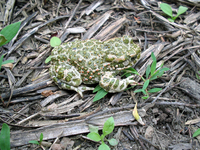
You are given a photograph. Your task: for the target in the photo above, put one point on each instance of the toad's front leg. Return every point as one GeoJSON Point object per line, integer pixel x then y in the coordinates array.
{"type": "Point", "coordinates": [67, 77]}
{"type": "Point", "coordinates": [112, 85]}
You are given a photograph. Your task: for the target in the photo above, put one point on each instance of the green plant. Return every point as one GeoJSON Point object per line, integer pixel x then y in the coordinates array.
{"type": "Point", "coordinates": [100, 93]}
{"type": "Point", "coordinates": [4, 62]}
{"type": "Point", "coordinates": [151, 74]}
{"type": "Point", "coordinates": [168, 10]}
{"type": "Point", "coordinates": [5, 137]}
{"type": "Point", "coordinates": [197, 76]}
{"type": "Point", "coordinates": [196, 133]}
{"type": "Point", "coordinates": [55, 41]}
{"type": "Point", "coordinates": [8, 33]}
{"type": "Point", "coordinates": [36, 142]}
{"type": "Point", "coordinates": [107, 129]}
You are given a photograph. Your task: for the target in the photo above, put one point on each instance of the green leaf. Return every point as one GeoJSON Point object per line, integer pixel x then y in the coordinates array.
{"type": "Point", "coordinates": [146, 83]}
{"type": "Point", "coordinates": [55, 41]}
{"type": "Point", "coordinates": [197, 76]}
{"type": "Point", "coordinates": [138, 90]}
{"type": "Point", "coordinates": [2, 39]}
{"type": "Point", "coordinates": [1, 60]}
{"type": "Point", "coordinates": [181, 10]}
{"type": "Point", "coordinates": [10, 31]}
{"type": "Point", "coordinates": [196, 133]}
{"type": "Point", "coordinates": [48, 59]}
{"type": "Point", "coordinates": [41, 137]}
{"type": "Point", "coordinates": [153, 65]}
{"type": "Point", "coordinates": [102, 138]}
{"type": "Point", "coordinates": [7, 61]}
{"type": "Point", "coordinates": [103, 146]}
{"type": "Point", "coordinates": [144, 92]}
{"type": "Point", "coordinates": [34, 142]}
{"type": "Point", "coordinates": [145, 97]}
{"type": "Point", "coordinates": [97, 88]}
{"type": "Point", "coordinates": [153, 77]}
{"type": "Point", "coordinates": [113, 142]}
{"type": "Point", "coordinates": [166, 9]}
{"type": "Point", "coordinates": [93, 128]}
{"type": "Point", "coordinates": [170, 19]}
{"type": "Point", "coordinates": [5, 137]}
{"type": "Point", "coordinates": [131, 70]}
{"type": "Point", "coordinates": [108, 126]}
{"type": "Point", "coordinates": [100, 94]}
{"type": "Point", "coordinates": [154, 90]}
{"type": "Point", "coordinates": [148, 70]}
{"type": "Point", "coordinates": [94, 136]}
{"type": "Point", "coordinates": [158, 73]}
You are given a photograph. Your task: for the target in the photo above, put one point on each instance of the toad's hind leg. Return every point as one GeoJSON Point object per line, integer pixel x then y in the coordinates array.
{"type": "Point", "coordinates": [112, 85]}
{"type": "Point", "coordinates": [80, 89]}
{"type": "Point", "coordinates": [67, 77]}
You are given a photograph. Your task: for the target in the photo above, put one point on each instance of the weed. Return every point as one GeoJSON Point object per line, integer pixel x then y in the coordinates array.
{"type": "Point", "coordinates": [107, 129]}
{"type": "Point", "coordinates": [151, 74]}
{"type": "Point", "coordinates": [55, 41]}
{"type": "Point", "coordinates": [168, 10]}
{"type": "Point", "coordinates": [196, 133]}
{"type": "Point", "coordinates": [8, 33]}
{"type": "Point", "coordinates": [36, 142]}
{"type": "Point", "coordinates": [5, 137]}
{"type": "Point", "coordinates": [4, 62]}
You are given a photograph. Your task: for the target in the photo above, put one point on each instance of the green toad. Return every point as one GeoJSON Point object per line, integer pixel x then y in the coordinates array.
{"type": "Point", "coordinates": [93, 61]}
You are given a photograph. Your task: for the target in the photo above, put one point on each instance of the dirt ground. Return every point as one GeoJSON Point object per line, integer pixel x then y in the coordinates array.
{"type": "Point", "coordinates": [32, 104]}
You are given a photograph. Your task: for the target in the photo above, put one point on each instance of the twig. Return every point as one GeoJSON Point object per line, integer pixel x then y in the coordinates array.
{"type": "Point", "coordinates": [62, 36]}
{"type": "Point", "coordinates": [27, 88]}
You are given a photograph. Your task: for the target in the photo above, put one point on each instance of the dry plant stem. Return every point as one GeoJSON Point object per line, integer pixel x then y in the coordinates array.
{"type": "Point", "coordinates": [128, 135]}
{"type": "Point", "coordinates": [178, 104]}
{"type": "Point", "coordinates": [53, 97]}
{"type": "Point", "coordinates": [86, 115]}
{"type": "Point", "coordinates": [136, 137]}
{"type": "Point", "coordinates": [26, 99]}
{"type": "Point", "coordinates": [59, 136]}
{"type": "Point", "coordinates": [109, 31]}
{"type": "Point", "coordinates": [62, 36]}
{"type": "Point", "coordinates": [88, 10]}
{"type": "Point", "coordinates": [98, 23]}
{"type": "Point", "coordinates": [9, 10]}
{"type": "Point", "coordinates": [28, 88]}
{"type": "Point", "coordinates": [34, 30]}
{"type": "Point", "coordinates": [23, 8]}
{"type": "Point", "coordinates": [169, 83]}
{"type": "Point", "coordinates": [15, 125]}
{"type": "Point", "coordinates": [58, 7]}
{"type": "Point", "coordinates": [23, 24]}
{"type": "Point", "coordinates": [144, 139]}
{"type": "Point", "coordinates": [54, 116]}
{"type": "Point", "coordinates": [165, 20]}
{"type": "Point", "coordinates": [69, 128]}
{"type": "Point", "coordinates": [40, 58]}
{"type": "Point", "coordinates": [21, 112]}
{"type": "Point", "coordinates": [28, 118]}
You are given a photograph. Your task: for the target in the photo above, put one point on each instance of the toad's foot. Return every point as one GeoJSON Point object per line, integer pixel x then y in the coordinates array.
{"type": "Point", "coordinates": [80, 89]}
{"type": "Point", "coordinates": [111, 84]}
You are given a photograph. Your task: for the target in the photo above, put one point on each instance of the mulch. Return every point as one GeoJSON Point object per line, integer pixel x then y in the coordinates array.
{"type": "Point", "coordinates": [32, 104]}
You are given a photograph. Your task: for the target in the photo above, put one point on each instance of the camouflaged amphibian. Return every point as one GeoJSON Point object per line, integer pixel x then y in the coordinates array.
{"type": "Point", "coordinates": [93, 61]}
